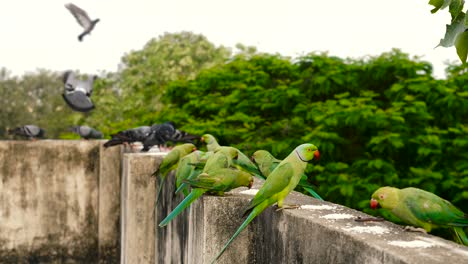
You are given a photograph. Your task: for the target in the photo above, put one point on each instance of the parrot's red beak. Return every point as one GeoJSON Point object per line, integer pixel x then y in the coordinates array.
{"type": "Point", "coordinates": [374, 204]}
{"type": "Point", "coordinates": [317, 155]}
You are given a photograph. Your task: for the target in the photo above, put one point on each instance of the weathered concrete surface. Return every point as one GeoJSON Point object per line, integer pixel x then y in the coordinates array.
{"type": "Point", "coordinates": [138, 196]}
{"type": "Point", "coordinates": [319, 232]}
{"type": "Point", "coordinates": [110, 171]}
{"type": "Point", "coordinates": [50, 201]}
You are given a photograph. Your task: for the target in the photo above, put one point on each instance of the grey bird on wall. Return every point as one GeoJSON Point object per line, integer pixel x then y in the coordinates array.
{"type": "Point", "coordinates": [77, 93]}
{"type": "Point", "coordinates": [29, 131]}
{"type": "Point", "coordinates": [86, 132]}
{"type": "Point", "coordinates": [83, 19]}
{"type": "Point", "coordinates": [165, 132]}
{"type": "Point", "coordinates": [137, 134]}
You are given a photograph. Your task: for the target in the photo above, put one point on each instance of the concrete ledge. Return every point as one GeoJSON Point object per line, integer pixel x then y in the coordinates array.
{"type": "Point", "coordinates": [58, 202]}
{"type": "Point", "coordinates": [320, 232]}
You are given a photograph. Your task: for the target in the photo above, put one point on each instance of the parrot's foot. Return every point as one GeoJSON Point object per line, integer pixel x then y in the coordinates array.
{"type": "Point", "coordinates": [414, 229]}
{"type": "Point", "coordinates": [288, 206]}
{"type": "Point", "coordinates": [369, 219]}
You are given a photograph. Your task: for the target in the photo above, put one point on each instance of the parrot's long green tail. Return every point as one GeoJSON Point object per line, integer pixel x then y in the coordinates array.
{"type": "Point", "coordinates": [255, 212]}
{"type": "Point", "coordinates": [184, 204]}
{"type": "Point", "coordinates": [460, 236]}
{"type": "Point", "coordinates": [313, 193]}
{"type": "Point", "coordinates": [183, 186]}
{"type": "Point", "coordinates": [161, 182]}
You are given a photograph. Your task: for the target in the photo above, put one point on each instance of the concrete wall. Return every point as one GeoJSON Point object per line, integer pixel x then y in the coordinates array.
{"type": "Point", "coordinates": [59, 202]}
{"type": "Point", "coordinates": [319, 232]}
{"type": "Point", "coordinates": [65, 202]}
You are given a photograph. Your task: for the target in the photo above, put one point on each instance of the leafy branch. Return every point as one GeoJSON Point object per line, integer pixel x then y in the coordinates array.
{"type": "Point", "coordinates": [457, 31]}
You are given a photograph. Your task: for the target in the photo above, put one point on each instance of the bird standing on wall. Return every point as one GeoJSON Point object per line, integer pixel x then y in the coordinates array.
{"type": "Point", "coordinates": [138, 134]}
{"type": "Point", "coordinates": [266, 163]}
{"type": "Point", "coordinates": [86, 132]}
{"type": "Point", "coordinates": [422, 209]}
{"type": "Point", "coordinates": [282, 180]}
{"type": "Point", "coordinates": [170, 162]}
{"type": "Point", "coordinates": [31, 131]}
{"type": "Point", "coordinates": [83, 19]}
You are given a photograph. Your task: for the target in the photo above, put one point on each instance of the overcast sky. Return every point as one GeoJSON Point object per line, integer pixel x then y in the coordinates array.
{"type": "Point", "coordinates": [43, 34]}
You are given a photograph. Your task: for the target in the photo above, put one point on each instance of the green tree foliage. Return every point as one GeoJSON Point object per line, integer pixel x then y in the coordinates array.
{"type": "Point", "coordinates": [457, 31]}
{"type": "Point", "coordinates": [34, 98]}
{"type": "Point", "coordinates": [146, 72]}
{"type": "Point", "coordinates": [377, 121]}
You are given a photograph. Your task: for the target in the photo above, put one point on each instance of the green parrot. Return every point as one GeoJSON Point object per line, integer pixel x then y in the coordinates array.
{"type": "Point", "coordinates": [218, 181]}
{"type": "Point", "coordinates": [266, 163]}
{"type": "Point", "coordinates": [223, 158]}
{"type": "Point", "coordinates": [215, 161]}
{"type": "Point", "coordinates": [187, 169]}
{"type": "Point", "coordinates": [282, 180]}
{"type": "Point", "coordinates": [170, 162]}
{"type": "Point", "coordinates": [211, 143]}
{"type": "Point", "coordinates": [242, 162]}
{"type": "Point", "coordinates": [420, 208]}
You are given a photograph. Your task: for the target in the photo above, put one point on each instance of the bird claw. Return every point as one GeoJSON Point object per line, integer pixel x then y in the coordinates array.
{"type": "Point", "coordinates": [414, 229]}
{"type": "Point", "coordinates": [369, 219]}
{"type": "Point", "coordinates": [294, 206]}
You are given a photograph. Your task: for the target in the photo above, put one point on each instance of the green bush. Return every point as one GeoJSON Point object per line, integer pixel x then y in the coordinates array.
{"type": "Point", "coordinates": [377, 121]}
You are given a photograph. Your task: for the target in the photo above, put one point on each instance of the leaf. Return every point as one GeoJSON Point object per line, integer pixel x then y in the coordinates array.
{"type": "Point", "coordinates": [455, 8]}
{"type": "Point", "coordinates": [439, 4]}
{"type": "Point", "coordinates": [452, 31]}
{"type": "Point", "coordinates": [461, 44]}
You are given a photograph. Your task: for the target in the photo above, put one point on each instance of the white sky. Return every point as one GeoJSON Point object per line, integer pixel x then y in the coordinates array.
{"type": "Point", "coordinates": [43, 34]}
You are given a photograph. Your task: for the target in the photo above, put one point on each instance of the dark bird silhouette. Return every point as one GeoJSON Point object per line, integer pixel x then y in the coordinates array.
{"type": "Point", "coordinates": [83, 19]}
{"type": "Point", "coordinates": [149, 136]}
{"type": "Point", "coordinates": [77, 93]}
{"type": "Point", "coordinates": [29, 131]}
{"type": "Point", "coordinates": [166, 132]}
{"type": "Point", "coordinates": [138, 134]}
{"type": "Point", "coordinates": [86, 132]}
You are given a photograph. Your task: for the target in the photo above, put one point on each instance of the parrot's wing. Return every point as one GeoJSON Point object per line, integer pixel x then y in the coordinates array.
{"type": "Point", "coordinates": [206, 181]}
{"type": "Point", "coordinates": [275, 183]}
{"type": "Point", "coordinates": [436, 210]}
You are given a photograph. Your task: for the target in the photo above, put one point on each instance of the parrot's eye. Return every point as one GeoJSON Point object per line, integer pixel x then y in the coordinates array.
{"type": "Point", "coordinates": [381, 196]}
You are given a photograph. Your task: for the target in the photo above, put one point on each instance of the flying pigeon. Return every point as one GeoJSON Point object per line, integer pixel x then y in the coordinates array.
{"type": "Point", "coordinates": [83, 19]}
{"type": "Point", "coordinates": [30, 131]}
{"type": "Point", "coordinates": [77, 92]}
{"type": "Point", "coordinates": [138, 134]}
{"type": "Point", "coordinates": [86, 132]}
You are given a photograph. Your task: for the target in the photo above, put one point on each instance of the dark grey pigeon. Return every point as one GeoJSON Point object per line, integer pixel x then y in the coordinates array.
{"type": "Point", "coordinates": [30, 131]}
{"type": "Point", "coordinates": [83, 19]}
{"type": "Point", "coordinates": [166, 132]}
{"type": "Point", "coordinates": [86, 132]}
{"type": "Point", "coordinates": [138, 134]}
{"type": "Point", "coordinates": [77, 92]}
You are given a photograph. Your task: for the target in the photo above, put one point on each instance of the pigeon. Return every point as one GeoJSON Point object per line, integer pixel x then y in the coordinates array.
{"type": "Point", "coordinates": [86, 132]}
{"type": "Point", "coordinates": [165, 132]}
{"type": "Point", "coordinates": [30, 131]}
{"type": "Point", "coordinates": [138, 134]}
{"type": "Point", "coordinates": [77, 92]}
{"type": "Point", "coordinates": [83, 19]}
